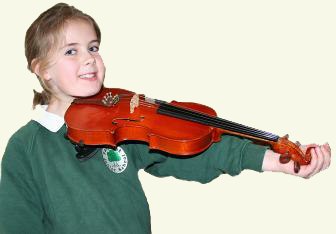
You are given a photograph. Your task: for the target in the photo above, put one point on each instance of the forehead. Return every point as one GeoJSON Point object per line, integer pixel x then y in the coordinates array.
{"type": "Point", "coordinates": [77, 31]}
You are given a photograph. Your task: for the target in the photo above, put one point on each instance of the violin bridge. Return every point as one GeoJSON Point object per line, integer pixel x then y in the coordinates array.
{"type": "Point", "coordinates": [134, 103]}
{"type": "Point", "coordinates": [110, 100]}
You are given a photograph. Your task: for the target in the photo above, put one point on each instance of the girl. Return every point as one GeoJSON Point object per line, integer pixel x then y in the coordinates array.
{"type": "Point", "coordinates": [45, 189]}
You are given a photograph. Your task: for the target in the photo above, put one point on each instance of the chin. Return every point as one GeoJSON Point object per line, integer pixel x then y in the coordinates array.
{"type": "Point", "coordinates": [87, 92]}
{"type": "Point", "coordinates": [93, 92]}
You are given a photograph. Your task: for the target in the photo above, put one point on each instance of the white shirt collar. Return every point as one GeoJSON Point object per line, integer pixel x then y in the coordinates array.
{"type": "Point", "coordinates": [50, 121]}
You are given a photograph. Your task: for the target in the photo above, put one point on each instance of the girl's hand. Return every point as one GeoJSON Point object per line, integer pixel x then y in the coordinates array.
{"type": "Point", "coordinates": [321, 157]}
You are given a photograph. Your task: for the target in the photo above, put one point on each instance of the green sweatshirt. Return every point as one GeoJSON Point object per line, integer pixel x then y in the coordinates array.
{"type": "Point", "coordinates": [44, 188]}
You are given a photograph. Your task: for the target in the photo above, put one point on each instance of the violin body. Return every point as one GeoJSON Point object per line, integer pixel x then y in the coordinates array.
{"type": "Point", "coordinates": [180, 128]}
{"type": "Point", "coordinates": [92, 124]}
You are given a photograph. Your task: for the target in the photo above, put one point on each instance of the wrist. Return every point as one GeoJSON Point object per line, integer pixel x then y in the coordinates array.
{"type": "Point", "coordinates": [271, 161]}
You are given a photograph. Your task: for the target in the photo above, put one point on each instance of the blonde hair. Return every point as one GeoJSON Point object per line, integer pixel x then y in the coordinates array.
{"type": "Point", "coordinates": [42, 38]}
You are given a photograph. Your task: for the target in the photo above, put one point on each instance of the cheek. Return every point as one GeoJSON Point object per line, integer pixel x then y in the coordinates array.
{"type": "Point", "coordinates": [69, 68]}
{"type": "Point", "coordinates": [99, 61]}
{"type": "Point", "coordinates": [102, 69]}
{"type": "Point", "coordinates": [67, 72]}
{"type": "Point", "coordinates": [100, 65]}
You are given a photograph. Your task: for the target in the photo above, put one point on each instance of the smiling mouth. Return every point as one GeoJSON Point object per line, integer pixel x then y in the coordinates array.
{"type": "Point", "coordinates": [88, 76]}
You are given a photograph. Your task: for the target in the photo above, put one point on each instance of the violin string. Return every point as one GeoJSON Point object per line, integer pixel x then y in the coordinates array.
{"type": "Point", "coordinates": [236, 126]}
{"type": "Point", "coordinates": [227, 127]}
{"type": "Point", "coordinates": [218, 120]}
{"type": "Point", "coordinates": [210, 123]}
{"type": "Point", "coordinates": [141, 102]}
{"type": "Point", "coordinates": [214, 121]}
{"type": "Point", "coordinates": [147, 104]}
{"type": "Point", "coordinates": [168, 109]}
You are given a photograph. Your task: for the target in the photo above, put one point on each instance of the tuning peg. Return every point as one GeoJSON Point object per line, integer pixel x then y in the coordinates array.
{"type": "Point", "coordinates": [296, 167]}
{"type": "Point", "coordinates": [285, 158]}
{"type": "Point", "coordinates": [286, 136]}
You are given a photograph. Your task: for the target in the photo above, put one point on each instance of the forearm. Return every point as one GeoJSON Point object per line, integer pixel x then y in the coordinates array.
{"type": "Point", "coordinates": [231, 156]}
{"type": "Point", "coordinates": [271, 162]}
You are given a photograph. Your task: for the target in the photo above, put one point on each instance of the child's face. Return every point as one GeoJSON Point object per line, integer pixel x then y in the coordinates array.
{"type": "Point", "coordinates": [76, 67]}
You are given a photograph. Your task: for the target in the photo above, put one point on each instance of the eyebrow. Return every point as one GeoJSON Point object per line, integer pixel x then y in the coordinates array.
{"type": "Point", "coordinates": [75, 43]}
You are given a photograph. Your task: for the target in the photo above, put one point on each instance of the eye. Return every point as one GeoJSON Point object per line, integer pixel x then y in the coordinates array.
{"type": "Point", "coordinates": [70, 52]}
{"type": "Point", "coordinates": [94, 49]}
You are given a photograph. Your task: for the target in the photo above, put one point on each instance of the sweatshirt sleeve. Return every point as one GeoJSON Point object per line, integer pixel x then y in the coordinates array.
{"type": "Point", "coordinates": [231, 155]}
{"type": "Point", "coordinates": [20, 209]}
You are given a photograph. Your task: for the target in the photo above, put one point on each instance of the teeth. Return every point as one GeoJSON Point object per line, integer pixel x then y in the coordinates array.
{"type": "Point", "coordinates": [87, 76]}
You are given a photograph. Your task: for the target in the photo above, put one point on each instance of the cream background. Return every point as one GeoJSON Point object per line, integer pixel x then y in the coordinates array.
{"type": "Point", "coordinates": [266, 64]}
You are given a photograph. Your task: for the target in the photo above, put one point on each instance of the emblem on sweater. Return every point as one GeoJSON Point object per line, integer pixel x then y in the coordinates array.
{"type": "Point", "coordinates": [115, 160]}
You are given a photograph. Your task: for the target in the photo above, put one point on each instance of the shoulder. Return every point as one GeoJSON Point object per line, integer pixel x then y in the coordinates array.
{"type": "Point", "coordinates": [26, 133]}
{"type": "Point", "coordinates": [23, 139]}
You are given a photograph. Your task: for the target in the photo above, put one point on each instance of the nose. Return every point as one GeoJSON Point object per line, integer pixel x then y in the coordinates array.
{"type": "Point", "coordinates": [89, 59]}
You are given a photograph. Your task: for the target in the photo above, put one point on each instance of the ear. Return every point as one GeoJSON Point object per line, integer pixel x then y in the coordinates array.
{"type": "Point", "coordinates": [36, 68]}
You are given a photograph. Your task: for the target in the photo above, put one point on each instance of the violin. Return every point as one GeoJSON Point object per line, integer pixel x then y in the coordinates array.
{"type": "Point", "coordinates": [179, 128]}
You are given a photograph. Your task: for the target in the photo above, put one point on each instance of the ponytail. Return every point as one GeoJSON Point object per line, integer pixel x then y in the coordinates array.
{"type": "Point", "coordinates": [42, 98]}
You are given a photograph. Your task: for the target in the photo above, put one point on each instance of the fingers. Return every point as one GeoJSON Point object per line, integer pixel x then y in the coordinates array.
{"type": "Point", "coordinates": [305, 147]}
{"type": "Point", "coordinates": [326, 151]}
{"type": "Point", "coordinates": [321, 157]}
{"type": "Point", "coordinates": [308, 170]}
{"type": "Point", "coordinates": [320, 160]}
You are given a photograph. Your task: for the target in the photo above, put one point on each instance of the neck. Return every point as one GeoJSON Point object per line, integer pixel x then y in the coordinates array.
{"type": "Point", "coordinates": [58, 106]}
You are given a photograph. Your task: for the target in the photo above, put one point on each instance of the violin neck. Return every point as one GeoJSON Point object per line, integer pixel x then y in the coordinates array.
{"type": "Point", "coordinates": [195, 116]}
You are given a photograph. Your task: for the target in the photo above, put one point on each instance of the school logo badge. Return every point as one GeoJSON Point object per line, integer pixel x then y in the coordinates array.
{"type": "Point", "coordinates": [115, 160]}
